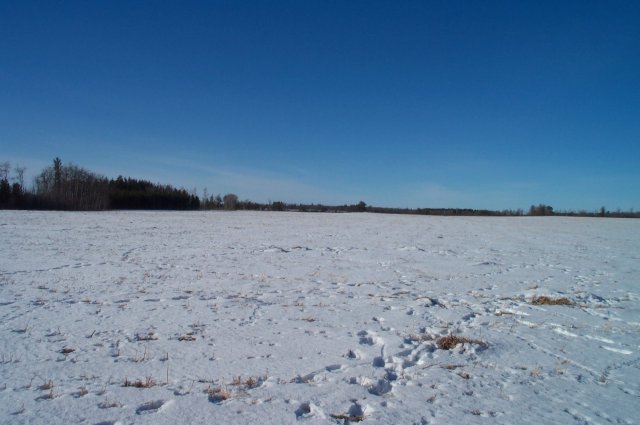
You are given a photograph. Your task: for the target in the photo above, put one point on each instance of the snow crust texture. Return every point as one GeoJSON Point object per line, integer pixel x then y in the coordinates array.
{"type": "Point", "coordinates": [283, 318]}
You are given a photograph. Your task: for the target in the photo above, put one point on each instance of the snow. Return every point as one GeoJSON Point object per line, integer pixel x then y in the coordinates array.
{"type": "Point", "coordinates": [282, 318]}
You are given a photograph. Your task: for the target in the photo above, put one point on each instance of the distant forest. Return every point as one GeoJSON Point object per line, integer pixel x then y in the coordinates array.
{"type": "Point", "coordinates": [73, 188]}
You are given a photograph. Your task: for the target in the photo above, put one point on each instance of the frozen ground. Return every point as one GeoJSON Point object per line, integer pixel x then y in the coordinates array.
{"type": "Point", "coordinates": [278, 318]}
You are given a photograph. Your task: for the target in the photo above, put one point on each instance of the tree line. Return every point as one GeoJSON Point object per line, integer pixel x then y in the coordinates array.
{"type": "Point", "coordinates": [11, 194]}
{"type": "Point", "coordinates": [128, 193]}
{"type": "Point", "coordinates": [70, 187]}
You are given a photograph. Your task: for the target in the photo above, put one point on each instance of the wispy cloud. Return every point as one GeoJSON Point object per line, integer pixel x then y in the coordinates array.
{"type": "Point", "coordinates": [430, 194]}
{"type": "Point", "coordinates": [438, 195]}
{"type": "Point", "coordinates": [255, 184]}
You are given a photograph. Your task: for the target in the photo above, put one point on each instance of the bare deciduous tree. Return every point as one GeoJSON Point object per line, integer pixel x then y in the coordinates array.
{"type": "Point", "coordinates": [19, 170]}
{"type": "Point", "coordinates": [230, 201]}
{"type": "Point", "coordinates": [4, 170]}
{"type": "Point", "coordinates": [72, 188]}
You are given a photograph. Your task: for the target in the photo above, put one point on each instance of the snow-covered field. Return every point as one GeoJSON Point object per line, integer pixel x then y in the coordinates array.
{"type": "Point", "coordinates": [275, 318]}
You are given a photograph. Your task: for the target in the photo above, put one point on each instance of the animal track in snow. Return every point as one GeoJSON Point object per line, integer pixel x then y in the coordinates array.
{"type": "Point", "coordinates": [153, 406]}
{"type": "Point", "coordinates": [369, 338]}
{"type": "Point", "coordinates": [308, 410]}
{"type": "Point", "coordinates": [380, 387]}
{"type": "Point", "coordinates": [354, 322]}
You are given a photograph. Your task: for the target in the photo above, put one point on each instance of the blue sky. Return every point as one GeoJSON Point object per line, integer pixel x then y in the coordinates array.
{"type": "Point", "coordinates": [496, 104]}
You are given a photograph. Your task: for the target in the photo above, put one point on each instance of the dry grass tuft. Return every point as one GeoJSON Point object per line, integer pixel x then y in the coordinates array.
{"type": "Point", "coordinates": [47, 385]}
{"type": "Point", "coordinates": [544, 300]}
{"type": "Point", "coordinates": [450, 341]}
{"type": "Point", "coordinates": [451, 366]}
{"type": "Point", "coordinates": [187, 337]}
{"type": "Point", "coordinates": [348, 418]}
{"type": "Point", "coordinates": [109, 404]}
{"type": "Point", "coordinates": [464, 375]}
{"type": "Point", "coordinates": [217, 394]}
{"type": "Point", "coordinates": [249, 383]}
{"type": "Point", "coordinates": [147, 383]}
{"type": "Point", "coordinates": [150, 336]}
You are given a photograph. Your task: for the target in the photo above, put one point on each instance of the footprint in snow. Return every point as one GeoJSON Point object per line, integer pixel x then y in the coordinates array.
{"type": "Point", "coordinates": [468, 317]}
{"type": "Point", "coordinates": [378, 361]}
{"type": "Point", "coordinates": [304, 410]}
{"type": "Point", "coordinates": [333, 367]}
{"type": "Point", "coordinates": [368, 338]}
{"type": "Point", "coordinates": [353, 354]}
{"type": "Point", "coordinates": [381, 387]}
{"type": "Point", "coordinates": [356, 410]}
{"type": "Point", "coordinates": [152, 407]}
{"type": "Point", "coordinates": [308, 410]}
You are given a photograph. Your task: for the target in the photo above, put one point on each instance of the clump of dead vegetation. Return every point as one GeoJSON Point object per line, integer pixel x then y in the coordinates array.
{"type": "Point", "coordinates": [249, 383]}
{"type": "Point", "coordinates": [109, 404]}
{"type": "Point", "coordinates": [149, 336]}
{"type": "Point", "coordinates": [67, 350]}
{"type": "Point", "coordinates": [451, 366]}
{"type": "Point", "coordinates": [449, 342]}
{"type": "Point", "coordinates": [348, 418]}
{"type": "Point", "coordinates": [48, 386]}
{"type": "Point", "coordinates": [147, 383]}
{"type": "Point", "coordinates": [188, 337]}
{"type": "Point", "coordinates": [544, 300]}
{"type": "Point", "coordinates": [220, 393]}
{"type": "Point", "coordinates": [217, 394]}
